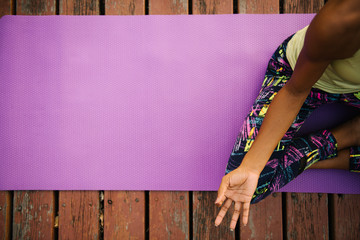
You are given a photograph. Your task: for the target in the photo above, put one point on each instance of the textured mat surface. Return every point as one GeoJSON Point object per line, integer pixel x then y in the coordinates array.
{"type": "Point", "coordinates": [137, 102]}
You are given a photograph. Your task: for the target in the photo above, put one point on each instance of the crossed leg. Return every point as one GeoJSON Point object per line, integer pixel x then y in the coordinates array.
{"type": "Point", "coordinates": [346, 135]}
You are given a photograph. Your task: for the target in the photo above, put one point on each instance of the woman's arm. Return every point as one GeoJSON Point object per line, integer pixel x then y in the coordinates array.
{"type": "Point", "coordinates": [239, 185]}
{"type": "Point", "coordinates": [283, 110]}
{"type": "Point", "coordinates": [333, 34]}
{"type": "Point", "coordinates": [328, 38]}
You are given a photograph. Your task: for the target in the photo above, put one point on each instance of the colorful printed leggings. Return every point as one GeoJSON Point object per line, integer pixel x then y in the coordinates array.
{"type": "Point", "coordinates": [292, 155]}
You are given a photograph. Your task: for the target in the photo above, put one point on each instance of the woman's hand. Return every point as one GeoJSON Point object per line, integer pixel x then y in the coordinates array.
{"type": "Point", "coordinates": [239, 186]}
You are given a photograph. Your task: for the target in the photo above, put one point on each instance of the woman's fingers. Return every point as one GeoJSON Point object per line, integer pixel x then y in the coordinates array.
{"type": "Point", "coordinates": [223, 211]}
{"type": "Point", "coordinates": [235, 216]}
{"type": "Point", "coordinates": [246, 209]}
{"type": "Point", "coordinates": [221, 192]}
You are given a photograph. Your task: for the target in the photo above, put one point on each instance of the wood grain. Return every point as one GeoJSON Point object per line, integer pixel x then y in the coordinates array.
{"type": "Point", "coordinates": [79, 214]}
{"type": "Point", "coordinates": [212, 6]}
{"type": "Point", "coordinates": [169, 215]}
{"type": "Point", "coordinates": [258, 6]}
{"type": "Point", "coordinates": [125, 7]}
{"type": "Point", "coordinates": [79, 7]}
{"type": "Point", "coordinates": [33, 215]}
{"type": "Point", "coordinates": [124, 215]}
{"type": "Point", "coordinates": [168, 210]}
{"type": "Point", "coordinates": [265, 219]}
{"type": "Point", "coordinates": [204, 210]}
{"type": "Point", "coordinates": [307, 213]}
{"type": "Point", "coordinates": [33, 211]}
{"type": "Point", "coordinates": [5, 7]}
{"type": "Point", "coordinates": [35, 7]}
{"type": "Point", "coordinates": [302, 6]}
{"type": "Point", "coordinates": [204, 215]}
{"type": "Point", "coordinates": [167, 7]}
{"type": "Point", "coordinates": [79, 211]}
{"type": "Point", "coordinates": [5, 215]}
{"type": "Point", "coordinates": [346, 216]}
{"type": "Point", "coordinates": [307, 216]}
{"type": "Point", "coordinates": [124, 211]}
{"type": "Point", "coordinates": [5, 196]}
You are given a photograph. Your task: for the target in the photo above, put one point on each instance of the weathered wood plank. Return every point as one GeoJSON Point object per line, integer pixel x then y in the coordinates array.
{"type": "Point", "coordinates": [5, 214]}
{"type": "Point", "coordinates": [301, 6]}
{"type": "Point", "coordinates": [33, 211]}
{"type": "Point", "coordinates": [307, 216]}
{"type": "Point", "coordinates": [204, 209]}
{"type": "Point", "coordinates": [124, 211]}
{"type": "Point", "coordinates": [124, 215]}
{"type": "Point", "coordinates": [33, 215]}
{"type": "Point", "coordinates": [169, 215]}
{"type": "Point", "coordinates": [307, 213]}
{"type": "Point", "coordinates": [255, 222]}
{"type": "Point", "coordinates": [79, 213]}
{"type": "Point", "coordinates": [167, 7]}
{"type": "Point", "coordinates": [5, 7]}
{"type": "Point", "coordinates": [168, 210]}
{"type": "Point", "coordinates": [212, 7]}
{"type": "Point", "coordinates": [346, 213]}
{"type": "Point", "coordinates": [258, 6]}
{"type": "Point", "coordinates": [5, 201]}
{"type": "Point", "coordinates": [125, 7]}
{"type": "Point", "coordinates": [265, 219]}
{"type": "Point", "coordinates": [204, 215]}
{"type": "Point", "coordinates": [35, 7]}
{"type": "Point", "coordinates": [79, 7]}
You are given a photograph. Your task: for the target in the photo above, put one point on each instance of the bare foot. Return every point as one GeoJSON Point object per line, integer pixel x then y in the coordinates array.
{"type": "Point", "coordinates": [347, 134]}
{"type": "Point", "coordinates": [341, 161]}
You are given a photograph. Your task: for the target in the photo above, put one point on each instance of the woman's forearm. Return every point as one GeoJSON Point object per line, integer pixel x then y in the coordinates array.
{"type": "Point", "coordinates": [279, 117]}
{"type": "Point", "coordinates": [322, 45]}
{"type": "Point", "coordinates": [283, 110]}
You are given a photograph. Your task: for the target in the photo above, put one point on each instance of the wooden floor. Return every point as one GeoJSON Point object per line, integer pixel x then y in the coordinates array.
{"type": "Point", "coordinates": [168, 215]}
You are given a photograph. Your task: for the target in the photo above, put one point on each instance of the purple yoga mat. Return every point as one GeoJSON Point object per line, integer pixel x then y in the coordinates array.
{"type": "Point", "coordinates": [137, 102]}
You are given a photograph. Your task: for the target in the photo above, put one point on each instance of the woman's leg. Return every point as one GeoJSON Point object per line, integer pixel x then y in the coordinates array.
{"type": "Point", "coordinates": [347, 136]}
{"type": "Point", "coordinates": [292, 156]}
{"type": "Point", "coordinates": [279, 168]}
{"type": "Point", "coordinates": [301, 153]}
{"type": "Point", "coordinates": [297, 156]}
{"type": "Point", "coordinates": [341, 161]}
{"type": "Point", "coordinates": [353, 99]}
{"type": "Point", "coordinates": [354, 163]}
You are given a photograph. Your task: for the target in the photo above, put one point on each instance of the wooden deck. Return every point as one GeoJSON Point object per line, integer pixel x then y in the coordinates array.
{"type": "Point", "coordinates": [169, 215]}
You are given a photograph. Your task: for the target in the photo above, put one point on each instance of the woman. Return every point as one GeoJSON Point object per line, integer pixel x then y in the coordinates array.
{"type": "Point", "coordinates": [317, 65]}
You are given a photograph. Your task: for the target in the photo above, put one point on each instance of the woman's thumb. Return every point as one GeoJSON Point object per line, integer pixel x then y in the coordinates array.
{"type": "Point", "coordinates": [221, 192]}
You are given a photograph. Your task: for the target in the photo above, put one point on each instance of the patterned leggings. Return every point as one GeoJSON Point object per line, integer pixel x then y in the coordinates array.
{"type": "Point", "coordinates": [292, 155]}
